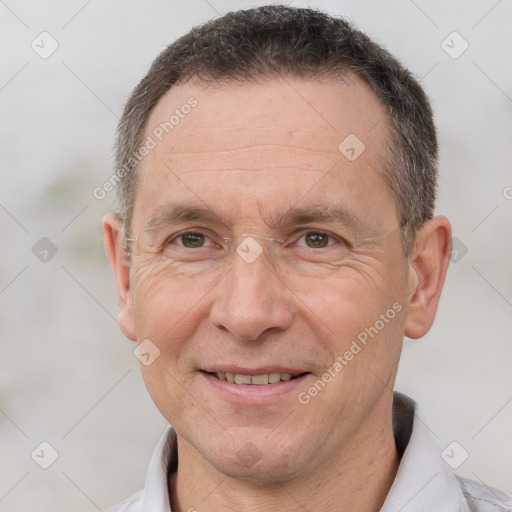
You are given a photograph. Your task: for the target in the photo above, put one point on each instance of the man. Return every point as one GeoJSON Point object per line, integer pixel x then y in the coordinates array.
{"type": "Point", "coordinates": [274, 243]}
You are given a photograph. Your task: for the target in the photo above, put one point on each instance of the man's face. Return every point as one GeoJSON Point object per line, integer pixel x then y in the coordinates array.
{"type": "Point", "coordinates": [264, 161]}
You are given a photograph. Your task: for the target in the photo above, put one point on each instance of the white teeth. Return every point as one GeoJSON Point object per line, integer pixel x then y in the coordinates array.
{"type": "Point", "coordinates": [258, 380]}
{"type": "Point", "coordinates": [242, 379]}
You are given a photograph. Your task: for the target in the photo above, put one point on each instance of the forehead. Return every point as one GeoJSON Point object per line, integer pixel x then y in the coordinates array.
{"type": "Point", "coordinates": [313, 113]}
{"type": "Point", "coordinates": [261, 138]}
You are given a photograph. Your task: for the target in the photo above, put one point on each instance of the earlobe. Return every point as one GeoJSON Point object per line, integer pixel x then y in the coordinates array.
{"type": "Point", "coordinates": [113, 239]}
{"type": "Point", "coordinates": [428, 267]}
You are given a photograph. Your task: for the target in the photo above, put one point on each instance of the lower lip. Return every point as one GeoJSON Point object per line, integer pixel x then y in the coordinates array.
{"type": "Point", "coordinates": [254, 394]}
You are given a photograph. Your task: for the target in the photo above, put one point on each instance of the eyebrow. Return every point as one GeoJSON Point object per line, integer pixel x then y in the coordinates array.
{"type": "Point", "coordinates": [184, 212]}
{"type": "Point", "coordinates": [335, 214]}
{"type": "Point", "coordinates": [174, 213]}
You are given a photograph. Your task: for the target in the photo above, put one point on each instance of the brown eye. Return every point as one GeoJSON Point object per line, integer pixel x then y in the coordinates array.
{"type": "Point", "coordinates": [316, 239]}
{"type": "Point", "coordinates": [192, 240]}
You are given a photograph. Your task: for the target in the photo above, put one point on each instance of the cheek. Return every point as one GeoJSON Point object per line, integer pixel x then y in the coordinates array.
{"type": "Point", "coordinates": [353, 298]}
{"type": "Point", "coordinates": [165, 386]}
{"type": "Point", "coordinates": [166, 292]}
{"type": "Point", "coordinates": [358, 317]}
{"type": "Point", "coordinates": [169, 307]}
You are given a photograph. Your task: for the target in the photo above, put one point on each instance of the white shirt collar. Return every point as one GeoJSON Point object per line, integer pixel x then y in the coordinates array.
{"type": "Point", "coordinates": [423, 482]}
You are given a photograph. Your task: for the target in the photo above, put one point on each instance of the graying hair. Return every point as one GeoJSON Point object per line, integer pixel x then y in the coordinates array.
{"type": "Point", "coordinates": [279, 41]}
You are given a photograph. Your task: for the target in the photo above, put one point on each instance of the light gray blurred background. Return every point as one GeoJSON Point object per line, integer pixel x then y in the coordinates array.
{"type": "Point", "coordinates": [67, 375]}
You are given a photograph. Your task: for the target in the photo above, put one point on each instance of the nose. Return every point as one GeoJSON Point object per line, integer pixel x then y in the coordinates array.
{"type": "Point", "coordinates": [251, 299]}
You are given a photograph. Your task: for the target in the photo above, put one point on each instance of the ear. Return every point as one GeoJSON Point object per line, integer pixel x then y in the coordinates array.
{"type": "Point", "coordinates": [428, 266]}
{"type": "Point", "coordinates": [113, 239]}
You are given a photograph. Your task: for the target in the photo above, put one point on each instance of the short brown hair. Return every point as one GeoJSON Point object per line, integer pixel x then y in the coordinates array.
{"type": "Point", "coordinates": [274, 41]}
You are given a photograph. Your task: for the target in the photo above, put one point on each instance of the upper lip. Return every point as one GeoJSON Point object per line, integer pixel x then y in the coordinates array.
{"type": "Point", "coordinates": [240, 370]}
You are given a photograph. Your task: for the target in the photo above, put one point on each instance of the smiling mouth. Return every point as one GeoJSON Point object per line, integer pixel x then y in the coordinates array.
{"type": "Point", "coordinates": [255, 380]}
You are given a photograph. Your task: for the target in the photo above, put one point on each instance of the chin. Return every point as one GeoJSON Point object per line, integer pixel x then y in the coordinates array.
{"type": "Point", "coordinates": [257, 460]}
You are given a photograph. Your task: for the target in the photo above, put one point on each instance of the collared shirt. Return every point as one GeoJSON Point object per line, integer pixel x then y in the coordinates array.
{"type": "Point", "coordinates": [423, 483]}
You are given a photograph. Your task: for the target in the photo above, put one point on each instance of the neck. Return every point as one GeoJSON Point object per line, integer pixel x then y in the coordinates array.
{"type": "Point", "coordinates": [356, 478]}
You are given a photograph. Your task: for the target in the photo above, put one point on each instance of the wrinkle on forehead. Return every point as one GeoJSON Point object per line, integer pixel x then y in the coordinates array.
{"type": "Point", "coordinates": [252, 158]}
{"type": "Point", "coordinates": [259, 147]}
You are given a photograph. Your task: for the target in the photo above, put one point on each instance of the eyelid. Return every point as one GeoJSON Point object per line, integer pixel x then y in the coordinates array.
{"type": "Point", "coordinates": [201, 231]}
{"type": "Point", "coordinates": [305, 232]}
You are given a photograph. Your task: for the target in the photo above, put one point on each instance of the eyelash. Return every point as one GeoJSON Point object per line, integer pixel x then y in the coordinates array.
{"type": "Point", "coordinates": [198, 232]}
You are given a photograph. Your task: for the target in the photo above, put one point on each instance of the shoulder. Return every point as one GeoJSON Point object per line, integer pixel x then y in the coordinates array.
{"type": "Point", "coordinates": [131, 504]}
{"type": "Point", "coordinates": [482, 498]}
